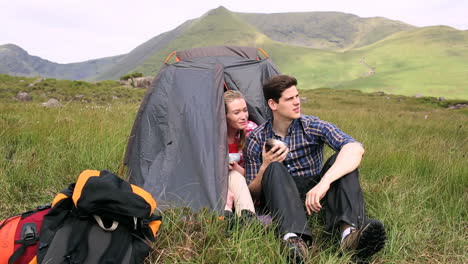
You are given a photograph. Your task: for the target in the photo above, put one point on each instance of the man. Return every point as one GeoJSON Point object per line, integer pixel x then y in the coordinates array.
{"type": "Point", "coordinates": [290, 177]}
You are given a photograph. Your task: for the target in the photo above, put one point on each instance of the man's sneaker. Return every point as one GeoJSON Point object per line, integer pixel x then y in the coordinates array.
{"type": "Point", "coordinates": [365, 241]}
{"type": "Point", "coordinates": [297, 250]}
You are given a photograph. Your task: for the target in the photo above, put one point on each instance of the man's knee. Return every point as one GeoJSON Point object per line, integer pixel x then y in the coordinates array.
{"type": "Point", "coordinates": [276, 166]}
{"type": "Point", "coordinates": [276, 171]}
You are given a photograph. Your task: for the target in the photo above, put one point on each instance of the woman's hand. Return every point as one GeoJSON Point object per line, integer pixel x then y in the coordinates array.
{"type": "Point", "coordinates": [235, 166]}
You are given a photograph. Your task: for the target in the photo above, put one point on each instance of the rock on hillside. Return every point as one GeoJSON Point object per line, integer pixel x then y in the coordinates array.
{"type": "Point", "coordinates": [52, 102]}
{"type": "Point", "coordinates": [140, 82]}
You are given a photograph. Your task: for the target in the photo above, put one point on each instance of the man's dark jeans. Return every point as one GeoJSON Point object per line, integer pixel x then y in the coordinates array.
{"type": "Point", "coordinates": [283, 196]}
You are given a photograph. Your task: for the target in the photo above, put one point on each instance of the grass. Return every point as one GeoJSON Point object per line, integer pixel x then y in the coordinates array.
{"type": "Point", "coordinates": [68, 91]}
{"type": "Point", "coordinates": [414, 174]}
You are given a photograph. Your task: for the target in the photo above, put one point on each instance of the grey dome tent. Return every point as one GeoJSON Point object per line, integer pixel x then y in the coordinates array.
{"type": "Point", "coordinates": [177, 149]}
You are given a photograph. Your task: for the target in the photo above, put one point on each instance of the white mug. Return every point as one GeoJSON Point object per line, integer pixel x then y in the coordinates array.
{"type": "Point", "coordinates": [234, 157]}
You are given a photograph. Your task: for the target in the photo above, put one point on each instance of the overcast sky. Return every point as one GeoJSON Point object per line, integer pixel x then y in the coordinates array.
{"type": "Point", "coordinates": [67, 31]}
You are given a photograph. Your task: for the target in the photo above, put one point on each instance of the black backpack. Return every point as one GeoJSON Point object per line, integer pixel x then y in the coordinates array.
{"type": "Point", "coordinates": [99, 219]}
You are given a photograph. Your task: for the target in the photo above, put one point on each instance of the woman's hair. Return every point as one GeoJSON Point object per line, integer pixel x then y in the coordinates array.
{"type": "Point", "coordinates": [230, 96]}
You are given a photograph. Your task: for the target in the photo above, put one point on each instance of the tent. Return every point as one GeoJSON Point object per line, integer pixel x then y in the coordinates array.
{"type": "Point", "coordinates": [177, 149]}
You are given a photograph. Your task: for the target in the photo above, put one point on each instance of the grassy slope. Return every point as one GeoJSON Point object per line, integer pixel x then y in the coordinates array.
{"type": "Point", "coordinates": [413, 175]}
{"type": "Point", "coordinates": [430, 61]}
{"type": "Point", "coordinates": [222, 27]}
{"type": "Point", "coordinates": [323, 30]}
{"type": "Point", "coordinates": [66, 91]}
{"type": "Point", "coordinates": [373, 29]}
{"type": "Point", "coordinates": [312, 67]}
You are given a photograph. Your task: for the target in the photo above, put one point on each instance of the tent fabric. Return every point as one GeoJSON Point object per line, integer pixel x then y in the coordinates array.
{"type": "Point", "coordinates": [244, 52]}
{"type": "Point", "coordinates": [177, 149]}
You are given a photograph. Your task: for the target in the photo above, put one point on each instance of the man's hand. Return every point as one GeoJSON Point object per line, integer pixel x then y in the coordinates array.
{"type": "Point", "coordinates": [313, 197]}
{"type": "Point", "coordinates": [277, 153]}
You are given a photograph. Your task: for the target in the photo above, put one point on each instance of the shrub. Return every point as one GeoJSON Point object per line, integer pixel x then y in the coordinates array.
{"type": "Point", "coordinates": [131, 76]}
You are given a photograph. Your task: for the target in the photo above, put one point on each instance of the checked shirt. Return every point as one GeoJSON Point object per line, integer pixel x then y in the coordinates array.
{"type": "Point", "coordinates": [306, 138]}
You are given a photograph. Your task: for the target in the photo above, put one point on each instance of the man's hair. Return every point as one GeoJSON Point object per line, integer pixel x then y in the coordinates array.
{"type": "Point", "coordinates": [275, 86]}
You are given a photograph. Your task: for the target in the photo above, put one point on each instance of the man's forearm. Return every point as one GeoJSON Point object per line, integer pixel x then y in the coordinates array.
{"type": "Point", "coordinates": [348, 160]}
{"type": "Point", "coordinates": [255, 186]}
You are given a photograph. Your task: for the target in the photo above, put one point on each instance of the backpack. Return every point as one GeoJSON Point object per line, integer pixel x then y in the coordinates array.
{"type": "Point", "coordinates": [19, 235]}
{"type": "Point", "coordinates": [99, 219]}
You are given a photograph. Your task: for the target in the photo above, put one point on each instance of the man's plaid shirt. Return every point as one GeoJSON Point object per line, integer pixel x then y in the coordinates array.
{"type": "Point", "coordinates": [306, 138]}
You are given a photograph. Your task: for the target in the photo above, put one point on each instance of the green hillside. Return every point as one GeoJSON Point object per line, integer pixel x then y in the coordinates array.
{"type": "Point", "coordinates": [220, 26]}
{"type": "Point", "coordinates": [67, 91]}
{"type": "Point", "coordinates": [430, 61]}
{"type": "Point", "coordinates": [324, 30]}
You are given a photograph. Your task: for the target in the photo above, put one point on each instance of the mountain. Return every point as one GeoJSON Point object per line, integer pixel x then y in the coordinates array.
{"type": "Point", "coordinates": [322, 49]}
{"type": "Point", "coordinates": [324, 30]}
{"type": "Point", "coordinates": [16, 61]}
{"type": "Point", "coordinates": [217, 27]}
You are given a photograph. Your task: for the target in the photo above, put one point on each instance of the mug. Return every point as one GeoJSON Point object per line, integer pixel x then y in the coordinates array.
{"type": "Point", "coordinates": [234, 157]}
{"type": "Point", "coordinates": [271, 142]}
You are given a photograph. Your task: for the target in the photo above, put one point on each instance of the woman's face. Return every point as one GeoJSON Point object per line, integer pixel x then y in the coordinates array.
{"type": "Point", "coordinates": [237, 115]}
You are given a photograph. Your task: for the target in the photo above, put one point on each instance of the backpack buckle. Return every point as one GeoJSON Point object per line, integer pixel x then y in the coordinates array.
{"type": "Point", "coordinates": [29, 232]}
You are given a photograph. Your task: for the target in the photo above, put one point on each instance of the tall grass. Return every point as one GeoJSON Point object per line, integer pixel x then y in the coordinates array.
{"type": "Point", "coordinates": [414, 175]}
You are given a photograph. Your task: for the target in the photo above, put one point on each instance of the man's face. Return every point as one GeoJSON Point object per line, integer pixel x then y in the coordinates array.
{"type": "Point", "coordinates": [288, 106]}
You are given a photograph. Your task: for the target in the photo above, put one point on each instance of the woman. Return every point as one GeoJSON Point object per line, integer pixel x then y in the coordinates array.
{"type": "Point", "coordinates": [238, 127]}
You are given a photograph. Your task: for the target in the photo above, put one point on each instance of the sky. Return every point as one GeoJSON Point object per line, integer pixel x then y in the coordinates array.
{"type": "Point", "coordinates": [66, 31]}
